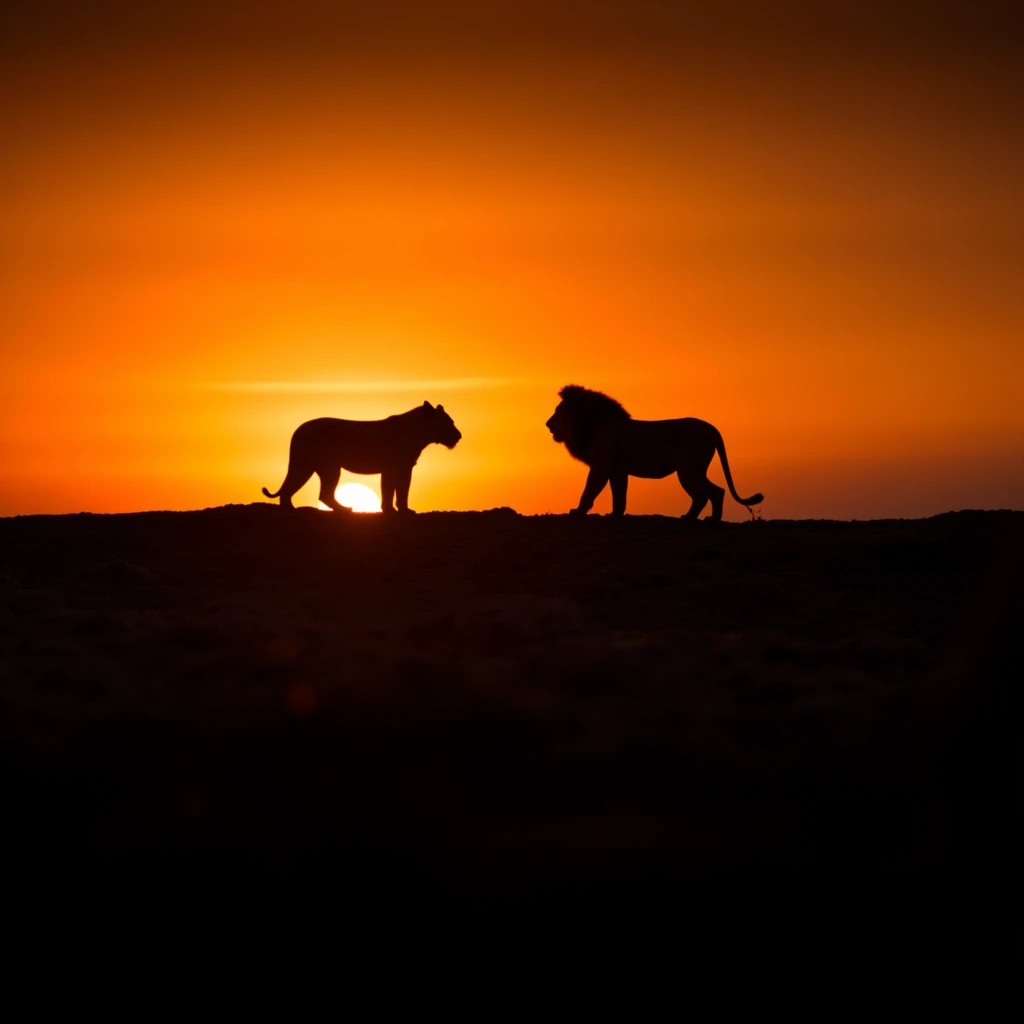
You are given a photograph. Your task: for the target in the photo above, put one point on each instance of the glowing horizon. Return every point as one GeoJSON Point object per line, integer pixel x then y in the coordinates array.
{"type": "Point", "coordinates": [341, 387]}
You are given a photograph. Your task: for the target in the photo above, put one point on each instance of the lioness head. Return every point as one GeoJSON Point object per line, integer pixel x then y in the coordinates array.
{"type": "Point", "coordinates": [579, 414]}
{"type": "Point", "coordinates": [441, 427]}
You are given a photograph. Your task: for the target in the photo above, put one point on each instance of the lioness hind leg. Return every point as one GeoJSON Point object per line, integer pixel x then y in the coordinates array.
{"type": "Point", "coordinates": [328, 485]}
{"type": "Point", "coordinates": [294, 481]}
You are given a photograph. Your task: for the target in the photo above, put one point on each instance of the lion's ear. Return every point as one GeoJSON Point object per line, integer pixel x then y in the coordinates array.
{"type": "Point", "coordinates": [427, 405]}
{"type": "Point", "coordinates": [440, 408]}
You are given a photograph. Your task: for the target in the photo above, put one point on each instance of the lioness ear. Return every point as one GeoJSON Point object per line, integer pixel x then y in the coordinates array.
{"type": "Point", "coordinates": [440, 408]}
{"type": "Point", "coordinates": [427, 405]}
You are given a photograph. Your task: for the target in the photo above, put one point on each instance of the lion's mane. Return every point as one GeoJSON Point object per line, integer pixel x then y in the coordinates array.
{"type": "Point", "coordinates": [588, 411]}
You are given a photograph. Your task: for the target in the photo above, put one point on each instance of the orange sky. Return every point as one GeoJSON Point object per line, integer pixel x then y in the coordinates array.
{"type": "Point", "coordinates": [811, 239]}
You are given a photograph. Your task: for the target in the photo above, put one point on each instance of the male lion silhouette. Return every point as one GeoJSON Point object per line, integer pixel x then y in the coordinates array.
{"type": "Point", "coordinates": [599, 432]}
{"type": "Point", "coordinates": [390, 447]}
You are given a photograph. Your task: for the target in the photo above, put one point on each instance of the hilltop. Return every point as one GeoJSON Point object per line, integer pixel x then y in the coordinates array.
{"type": "Point", "coordinates": [483, 703]}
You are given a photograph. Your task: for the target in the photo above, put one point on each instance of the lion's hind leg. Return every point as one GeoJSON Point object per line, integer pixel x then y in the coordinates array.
{"type": "Point", "coordinates": [701, 490]}
{"type": "Point", "coordinates": [717, 496]}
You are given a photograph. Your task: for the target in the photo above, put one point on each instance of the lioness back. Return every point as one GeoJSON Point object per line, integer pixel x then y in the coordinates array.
{"type": "Point", "coordinates": [365, 447]}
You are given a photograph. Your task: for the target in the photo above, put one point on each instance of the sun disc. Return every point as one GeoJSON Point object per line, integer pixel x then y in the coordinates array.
{"type": "Point", "coordinates": [358, 497]}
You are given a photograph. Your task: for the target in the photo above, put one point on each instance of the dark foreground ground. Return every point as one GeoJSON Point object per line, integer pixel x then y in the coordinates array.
{"type": "Point", "coordinates": [485, 709]}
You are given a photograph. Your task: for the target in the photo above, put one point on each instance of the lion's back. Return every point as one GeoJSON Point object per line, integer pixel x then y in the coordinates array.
{"type": "Point", "coordinates": [643, 436]}
{"type": "Point", "coordinates": [656, 448]}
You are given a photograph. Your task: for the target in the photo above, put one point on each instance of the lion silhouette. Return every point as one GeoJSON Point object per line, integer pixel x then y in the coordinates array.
{"type": "Point", "coordinates": [598, 431]}
{"type": "Point", "coordinates": [390, 447]}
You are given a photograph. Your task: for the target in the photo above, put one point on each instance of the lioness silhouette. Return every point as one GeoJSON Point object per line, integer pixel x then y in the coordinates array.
{"type": "Point", "coordinates": [598, 431]}
{"type": "Point", "coordinates": [390, 447]}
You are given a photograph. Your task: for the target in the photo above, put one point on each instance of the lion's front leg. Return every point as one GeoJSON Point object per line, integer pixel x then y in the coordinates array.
{"type": "Point", "coordinates": [597, 479]}
{"type": "Point", "coordinates": [620, 481]}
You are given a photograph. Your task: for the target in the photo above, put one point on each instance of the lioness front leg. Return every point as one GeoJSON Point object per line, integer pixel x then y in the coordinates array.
{"type": "Point", "coordinates": [402, 480]}
{"type": "Point", "coordinates": [596, 481]}
{"type": "Point", "coordinates": [387, 492]}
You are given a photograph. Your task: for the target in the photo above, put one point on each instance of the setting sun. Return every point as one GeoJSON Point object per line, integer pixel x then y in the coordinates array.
{"type": "Point", "coordinates": [358, 497]}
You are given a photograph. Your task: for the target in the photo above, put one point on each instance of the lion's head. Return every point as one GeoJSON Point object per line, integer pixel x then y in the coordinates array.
{"type": "Point", "coordinates": [579, 415]}
{"type": "Point", "coordinates": [441, 427]}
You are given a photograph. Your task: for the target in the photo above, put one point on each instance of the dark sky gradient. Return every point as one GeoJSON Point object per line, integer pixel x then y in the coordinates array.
{"type": "Point", "coordinates": [885, 21]}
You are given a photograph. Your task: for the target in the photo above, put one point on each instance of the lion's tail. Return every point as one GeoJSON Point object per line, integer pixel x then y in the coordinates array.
{"type": "Point", "coordinates": [268, 494]}
{"type": "Point", "coordinates": [754, 499]}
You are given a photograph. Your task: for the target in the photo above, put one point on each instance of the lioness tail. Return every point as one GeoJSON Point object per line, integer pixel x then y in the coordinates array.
{"type": "Point", "coordinates": [755, 499]}
{"type": "Point", "coordinates": [268, 494]}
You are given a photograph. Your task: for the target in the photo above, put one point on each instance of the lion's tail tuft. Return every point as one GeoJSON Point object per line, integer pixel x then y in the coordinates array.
{"type": "Point", "coordinates": [268, 494]}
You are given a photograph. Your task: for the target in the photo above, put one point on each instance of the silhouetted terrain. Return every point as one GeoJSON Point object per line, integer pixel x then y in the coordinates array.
{"type": "Point", "coordinates": [486, 707]}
